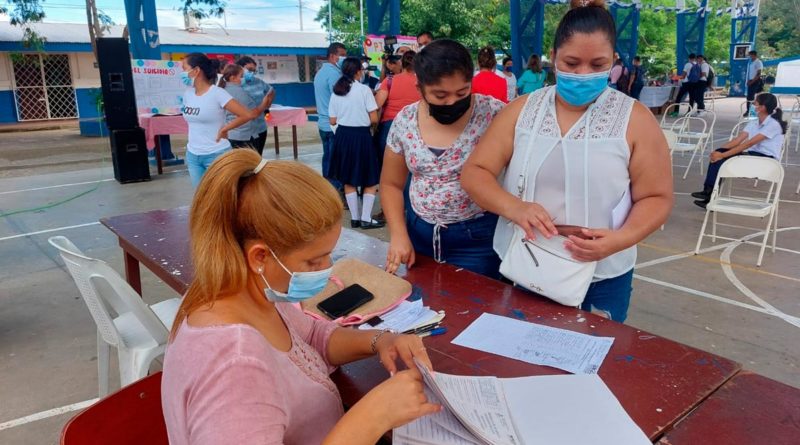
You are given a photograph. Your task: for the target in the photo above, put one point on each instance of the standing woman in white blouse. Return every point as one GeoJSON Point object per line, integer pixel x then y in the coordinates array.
{"type": "Point", "coordinates": [596, 159]}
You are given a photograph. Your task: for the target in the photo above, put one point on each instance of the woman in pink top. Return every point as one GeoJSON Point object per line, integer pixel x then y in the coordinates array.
{"type": "Point", "coordinates": [244, 365]}
{"type": "Point", "coordinates": [396, 93]}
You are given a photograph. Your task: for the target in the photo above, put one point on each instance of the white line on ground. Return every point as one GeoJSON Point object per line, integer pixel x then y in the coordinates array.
{"type": "Point", "coordinates": [55, 186]}
{"type": "Point", "coordinates": [57, 229]}
{"type": "Point", "coordinates": [679, 256]}
{"type": "Point", "coordinates": [46, 414]}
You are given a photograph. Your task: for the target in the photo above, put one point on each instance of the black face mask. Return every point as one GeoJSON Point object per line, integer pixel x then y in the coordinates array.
{"type": "Point", "coordinates": [448, 114]}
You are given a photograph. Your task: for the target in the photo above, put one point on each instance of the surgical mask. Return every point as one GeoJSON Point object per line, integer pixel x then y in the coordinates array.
{"type": "Point", "coordinates": [302, 285]}
{"type": "Point", "coordinates": [248, 75]}
{"type": "Point", "coordinates": [509, 69]}
{"type": "Point", "coordinates": [580, 89]}
{"type": "Point", "coordinates": [340, 61]}
{"type": "Point", "coordinates": [188, 81]}
{"type": "Point", "coordinates": [448, 114]}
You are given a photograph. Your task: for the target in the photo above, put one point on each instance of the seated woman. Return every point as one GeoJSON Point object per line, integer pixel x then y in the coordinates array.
{"type": "Point", "coordinates": [244, 364]}
{"type": "Point", "coordinates": [761, 137]}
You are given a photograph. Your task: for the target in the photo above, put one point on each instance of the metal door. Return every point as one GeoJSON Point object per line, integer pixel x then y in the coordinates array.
{"type": "Point", "coordinates": [43, 87]}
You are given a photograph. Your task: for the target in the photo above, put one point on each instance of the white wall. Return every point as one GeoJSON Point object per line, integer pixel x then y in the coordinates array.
{"type": "Point", "coordinates": [5, 72]}
{"type": "Point", "coordinates": [84, 74]}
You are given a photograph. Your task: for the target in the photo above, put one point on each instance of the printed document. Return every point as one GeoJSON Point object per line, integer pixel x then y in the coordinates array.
{"type": "Point", "coordinates": [532, 343]}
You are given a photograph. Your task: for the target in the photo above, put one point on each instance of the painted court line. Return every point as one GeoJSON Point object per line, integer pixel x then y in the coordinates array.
{"type": "Point", "coordinates": [46, 414]}
{"type": "Point", "coordinates": [57, 229]}
{"type": "Point", "coordinates": [55, 186]}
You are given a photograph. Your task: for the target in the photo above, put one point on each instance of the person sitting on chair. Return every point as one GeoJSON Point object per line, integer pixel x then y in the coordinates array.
{"type": "Point", "coordinates": [761, 137]}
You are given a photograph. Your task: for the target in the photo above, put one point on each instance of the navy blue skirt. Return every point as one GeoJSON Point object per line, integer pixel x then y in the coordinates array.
{"type": "Point", "coordinates": [354, 160]}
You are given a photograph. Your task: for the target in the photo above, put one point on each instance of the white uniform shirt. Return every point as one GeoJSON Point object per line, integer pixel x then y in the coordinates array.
{"type": "Point", "coordinates": [704, 69]}
{"type": "Point", "coordinates": [772, 131]}
{"type": "Point", "coordinates": [686, 69]}
{"type": "Point", "coordinates": [753, 68]}
{"type": "Point", "coordinates": [352, 110]}
{"type": "Point", "coordinates": [205, 115]}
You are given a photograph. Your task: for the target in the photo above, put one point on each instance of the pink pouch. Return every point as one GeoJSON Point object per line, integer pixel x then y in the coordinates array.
{"type": "Point", "coordinates": [389, 291]}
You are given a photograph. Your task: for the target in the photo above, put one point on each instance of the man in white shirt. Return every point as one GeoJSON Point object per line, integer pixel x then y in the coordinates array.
{"type": "Point", "coordinates": [701, 86]}
{"type": "Point", "coordinates": [754, 83]}
{"type": "Point", "coordinates": [685, 85]}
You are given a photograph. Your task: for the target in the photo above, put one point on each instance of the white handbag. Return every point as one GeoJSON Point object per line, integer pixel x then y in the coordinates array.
{"type": "Point", "coordinates": [544, 265]}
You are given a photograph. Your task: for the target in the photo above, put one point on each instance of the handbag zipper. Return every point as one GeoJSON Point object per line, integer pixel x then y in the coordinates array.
{"type": "Point", "coordinates": [528, 248]}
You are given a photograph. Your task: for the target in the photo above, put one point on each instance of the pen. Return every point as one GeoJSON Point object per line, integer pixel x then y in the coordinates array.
{"type": "Point", "coordinates": [422, 328]}
{"type": "Point", "coordinates": [437, 331]}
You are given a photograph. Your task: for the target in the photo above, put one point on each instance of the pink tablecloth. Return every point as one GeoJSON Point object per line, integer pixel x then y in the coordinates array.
{"type": "Point", "coordinates": [279, 116]}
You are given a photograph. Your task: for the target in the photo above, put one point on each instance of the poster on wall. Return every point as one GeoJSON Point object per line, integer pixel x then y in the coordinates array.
{"type": "Point", "coordinates": [277, 69]}
{"type": "Point", "coordinates": [158, 86]}
{"type": "Point", "coordinates": [374, 47]}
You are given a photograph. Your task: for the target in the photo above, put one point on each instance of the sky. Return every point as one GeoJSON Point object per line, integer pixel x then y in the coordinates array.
{"type": "Point", "coordinates": [272, 15]}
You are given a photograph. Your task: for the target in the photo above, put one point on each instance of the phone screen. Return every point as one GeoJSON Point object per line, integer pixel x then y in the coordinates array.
{"type": "Point", "coordinates": [344, 301]}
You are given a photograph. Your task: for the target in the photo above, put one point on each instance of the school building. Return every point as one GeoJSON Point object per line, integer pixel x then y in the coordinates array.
{"type": "Point", "coordinates": [62, 80]}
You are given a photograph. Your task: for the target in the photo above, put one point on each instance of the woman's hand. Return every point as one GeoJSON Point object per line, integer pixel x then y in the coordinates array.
{"type": "Point", "coordinates": [398, 401]}
{"type": "Point", "coordinates": [716, 156]}
{"type": "Point", "coordinates": [595, 244]}
{"type": "Point", "coordinates": [222, 134]}
{"type": "Point", "coordinates": [406, 347]}
{"type": "Point", "coordinates": [529, 216]}
{"type": "Point", "coordinates": [400, 252]}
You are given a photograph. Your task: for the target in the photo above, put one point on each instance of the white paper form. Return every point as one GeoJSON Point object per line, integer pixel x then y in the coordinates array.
{"type": "Point", "coordinates": [406, 315]}
{"type": "Point", "coordinates": [540, 345]}
{"type": "Point", "coordinates": [569, 410]}
{"type": "Point", "coordinates": [434, 429]}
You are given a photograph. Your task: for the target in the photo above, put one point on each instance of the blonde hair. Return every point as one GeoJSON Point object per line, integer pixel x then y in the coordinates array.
{"type": "Point", "coordinates": [286, 204]}
{"type": "Point", "coordinates": [230, 70]}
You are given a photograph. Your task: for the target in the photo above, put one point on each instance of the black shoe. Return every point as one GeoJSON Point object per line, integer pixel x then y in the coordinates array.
{"type": "Point", "coordinates": [746, 114]}
{"type": "Point", "coordinates": [355, 224]}
{"type": "Point", "coordinates": [366, 225]}
{"type": "Point", "coordinates": [380, 217]}
{"type": "Point", "coordinates": [702, 203]}
{"type": "Point", "coordinates": [704, 195]}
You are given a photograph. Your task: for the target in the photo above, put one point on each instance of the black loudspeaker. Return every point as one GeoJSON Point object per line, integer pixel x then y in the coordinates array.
{"type": "Point", "coordinates": [116, 79]}
{"type": "Point", "coordinates": [129, 155]}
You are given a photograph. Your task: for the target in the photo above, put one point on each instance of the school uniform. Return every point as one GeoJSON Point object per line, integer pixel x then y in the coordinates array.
{"type": "Point", "coordinates": [354, 161]}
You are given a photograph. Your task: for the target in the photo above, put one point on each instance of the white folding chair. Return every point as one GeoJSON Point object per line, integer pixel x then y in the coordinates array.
{"type": "Point", "coordinates": [138, 331]}
{"type": "Point", "coordinates": [762, 168]}
{"type": "Point", "coordinates": [794, 125]}
{"type": "Point", "coordinates": [692, 136]}
{"type": "Point", "coordinates": [738, 129]}
{"type": "Point", "coordinates": [676, 108]}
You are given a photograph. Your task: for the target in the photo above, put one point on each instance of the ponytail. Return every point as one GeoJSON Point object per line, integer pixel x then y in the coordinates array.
{"type": "Point", "coordinates": [770, 102]}
{"type": "Point", "coordinates": [231, 70]}
{"type": "Point", "coordinates": [778, 116]}
{"type": "Point", "coordinates": [350, 67]}
{"type": "Point", "coordinates": [286, 204]}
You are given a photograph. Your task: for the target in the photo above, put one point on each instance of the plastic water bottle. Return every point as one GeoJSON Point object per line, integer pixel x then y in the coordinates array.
{"type": "Point", "coordinates": [752, 110]}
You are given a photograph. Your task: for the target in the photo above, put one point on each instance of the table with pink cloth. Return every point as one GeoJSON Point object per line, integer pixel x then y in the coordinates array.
{"type": "Point", "coordinates": [160, 125]}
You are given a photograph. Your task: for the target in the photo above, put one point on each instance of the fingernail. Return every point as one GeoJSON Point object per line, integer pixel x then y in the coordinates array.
{"type": "Point", "coordinates": [391, 373]}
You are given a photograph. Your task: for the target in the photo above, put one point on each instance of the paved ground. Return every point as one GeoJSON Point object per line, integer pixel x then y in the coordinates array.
{"type": "Point", "coordinates": [719, 301]}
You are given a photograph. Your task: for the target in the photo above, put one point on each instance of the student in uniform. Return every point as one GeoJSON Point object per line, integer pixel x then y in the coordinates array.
{"type": "Point", "coordinates": [246, 135]}
{"type": "Point", "coordinates": [261, 92]}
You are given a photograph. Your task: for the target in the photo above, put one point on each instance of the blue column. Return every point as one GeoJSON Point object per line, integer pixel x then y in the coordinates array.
{"type": "Point", "coordinates": [743, 34]}
{"type": "Point", "coordinates": [627, 19]}
{"type": "Point", "coordinates": [691, 33]}
{"type": "Point", "coordinates": [145, 44]}
{"type": "Point", "coordinates": [527, 31]}
{"type": "Point", "coordinates": [383, 17]}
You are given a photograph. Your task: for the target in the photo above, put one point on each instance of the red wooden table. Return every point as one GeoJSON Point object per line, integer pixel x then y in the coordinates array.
{"type": "Point", "coordinates": [748, 410]}
{"type": "Point", "coordinates": [658, 381]}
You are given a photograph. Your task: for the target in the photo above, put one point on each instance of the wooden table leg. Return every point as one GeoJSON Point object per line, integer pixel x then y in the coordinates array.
{"type": "Point", "coordinates": [132, 275]}
{"type": "Point", "coordinates": [159, 162]}
{"type": "Point", "coordinates": [277, 144]}
{"type": "Point", "coordinates": [294, 140]}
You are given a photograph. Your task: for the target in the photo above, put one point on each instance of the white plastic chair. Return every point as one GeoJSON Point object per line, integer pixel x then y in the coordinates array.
{"type": "Point", "coordinates": [692, 137]}
{"type": "Point", "coordinates": [138, 331]}
{"type": "Point", "coordinates": [761, 168]}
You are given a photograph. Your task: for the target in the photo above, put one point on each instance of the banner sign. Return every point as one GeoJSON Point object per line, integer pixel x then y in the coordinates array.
{"type": "Point", "coordinates": [158, 86]}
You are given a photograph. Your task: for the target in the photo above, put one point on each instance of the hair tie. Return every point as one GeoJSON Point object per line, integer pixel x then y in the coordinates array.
{"type": "Point", "coordinates": [260, 166]}
{"type": "Point", "coordinates": [585, 3]}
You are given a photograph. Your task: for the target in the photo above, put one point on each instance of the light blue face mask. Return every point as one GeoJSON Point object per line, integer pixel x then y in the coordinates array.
{"type": "Point", "coordinates": [580, 89]}
{"type": "Point", "coordinates": [302, 285]}
{"type": "Point", "coordinates": [248, 75]}
{"type": "Point", "coordinates": [188, 81]}
{"type": "Point", "coordinates": [340, 61]}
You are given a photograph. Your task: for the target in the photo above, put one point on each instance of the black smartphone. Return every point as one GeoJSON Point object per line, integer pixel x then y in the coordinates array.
{"type": "Point", "coordinates": [345, 301]}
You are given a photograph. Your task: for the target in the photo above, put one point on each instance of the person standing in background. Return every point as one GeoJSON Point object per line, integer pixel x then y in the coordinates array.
{"type": "Point", "coordinates": [424, 39]}
{"type": "Point", "coordinates": [511, 79]}
{"type": "Point", "coordinates": [616, 72]}
{"type": "Point", "coordinates": [324, 81]}
{"type": "Point", "coordinates": [232, 79]}
{"type": "Point", "coordinates": [686, 87]}
{"type": "Point", "coordinates": [395, 94]}
{"type": "Point", "coordinates": [533, 77]}
{"type": "Point", "coordinates": [260, 91]}
{"type": "Point", "coordinates": [702, 85]}
{"type": "Point", "coordinates": [755, 84]}
{"type": "Point", "coordinates": [636, 83]}
{"type": "Point", "coordinates": [487, 81]}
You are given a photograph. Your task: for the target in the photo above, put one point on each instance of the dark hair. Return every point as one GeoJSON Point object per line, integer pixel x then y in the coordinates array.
{"type": "Point", "coordinates": [215, 63]}
{"type": "Point", "coordinates": [619, 61]}
{"type": "Point", "coordinates": [334, 48]}
{"type": "Point", "coordinates": [585, 19]}
{"type": "Point", "coordinates": [753, 52]}
{"type": "Point", "coordinates": [507, 59]}
{"type": "Point", "coordinates": [230, 70]}
{"type": "Point", "coordinates": [771, 103]}
{"type": "Point", "coordinates": [245, 60]}
{"type": "Point", "coordinates": [407, 60]}
{"type": "Point", "coordinates": [637, 59]}
{"type": "Point", "coordinates": [350, 67]}
{"type": "Point", "coordinates": [692, 56]}
{"type": "Point", "coordinates": [425, 33]}
{"type": "Point", "coordinates": [443, 57]}
{"type": "Point", "coordinates": [200, 60]}
{"type": "Point", "coordinates": [700, 56]}
{"type": "Point", "coordinates": [535, 63]}
{"type": "Point", "coordinates": [486, 58]}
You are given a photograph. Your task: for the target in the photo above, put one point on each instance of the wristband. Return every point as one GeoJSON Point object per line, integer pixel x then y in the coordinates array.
{"type": "Point", "coordinates": [375, 339]}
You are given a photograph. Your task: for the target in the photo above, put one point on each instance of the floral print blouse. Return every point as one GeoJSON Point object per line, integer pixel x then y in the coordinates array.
{"type": "Point", "coordinates": [436, 193]}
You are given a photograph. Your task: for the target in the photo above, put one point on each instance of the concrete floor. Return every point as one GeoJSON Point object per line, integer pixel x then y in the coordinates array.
{"type": "Point", "coordinates": [719, 301]}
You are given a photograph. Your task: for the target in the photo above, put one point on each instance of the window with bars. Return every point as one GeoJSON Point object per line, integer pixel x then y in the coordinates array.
{"type": "Point", "coordinates": [43, 87]}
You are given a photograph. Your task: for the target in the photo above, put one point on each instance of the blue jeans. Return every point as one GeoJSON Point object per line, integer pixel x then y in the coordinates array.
{"type": "Point", "coordinates": [327, 152]}
{"type": "Point", "coordinates": [198, 164]}
{"type": "Point", "coordinates": [466, 244]}
{"type": "Point", "coordinates": [611, 296]}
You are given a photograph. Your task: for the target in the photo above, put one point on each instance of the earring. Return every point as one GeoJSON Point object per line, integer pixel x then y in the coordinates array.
{"type": "Point", "coordinates": [260, 270]}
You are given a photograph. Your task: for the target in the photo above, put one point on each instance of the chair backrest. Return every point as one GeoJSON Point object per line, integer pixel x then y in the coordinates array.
{"type": "Point", "coordinates": [689, 124]}
{"type": "Point", "coordinates": [752, 167]}
{"type": "Point", "coordinates": [103, 289]}
{"type": "Point", "coordinates": [738, 128]}
{"type": "Point", "coordinates": [130, 416]}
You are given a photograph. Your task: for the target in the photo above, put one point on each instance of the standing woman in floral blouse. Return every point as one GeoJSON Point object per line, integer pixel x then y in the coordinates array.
{"type": "Point", "coordinates": [432, 139]}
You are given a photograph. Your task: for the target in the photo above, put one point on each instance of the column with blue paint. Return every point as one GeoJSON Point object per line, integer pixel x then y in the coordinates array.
{"type": "Point", "coordinates": [743, 39]}
{"type": "Point", "coordinates": [527, 31]}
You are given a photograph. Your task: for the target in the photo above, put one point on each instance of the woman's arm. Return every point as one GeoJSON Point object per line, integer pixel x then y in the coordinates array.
{"type": "Point", "coordinates": [735, 149]}
{"type": "Point", "coordinates": [243, 116]}
{"type": "Point", "coordinates": [651, 192]}
{"type": "Point", "coordinates": [393, 181]}
{"type": "Point", "coordinates": [381, 97]}
{"type": "Point", "coordinates": [487, 161]}
{"type": "Point", "coordinates": [373, 117]}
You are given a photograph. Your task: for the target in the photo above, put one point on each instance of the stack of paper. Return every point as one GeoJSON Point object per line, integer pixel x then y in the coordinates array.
{"type": "Point", "coordinates": [406, 316]}
{"type": "Point", "coordinates": [552, 410]}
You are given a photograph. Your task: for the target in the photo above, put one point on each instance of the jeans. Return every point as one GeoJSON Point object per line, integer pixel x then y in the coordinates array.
{"type": "Point", "coordinates": [713, 167]}
{"type": "Point", "coordinates": [610, 297]}
{"type": "Point", "coordinates": [382, 136]}
{"type": "Point", "coordinates": [466, 244]}
{"type": "Point", "coordinates": [327, 152]}
{"type": "Point", "coordinates": [198, 164]}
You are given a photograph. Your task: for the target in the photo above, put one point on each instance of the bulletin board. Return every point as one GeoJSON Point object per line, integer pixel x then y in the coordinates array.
{"type": "Point", "coordinates": [374, 46]}
{"type": "Point", "coordinates": [158, 86]}
{"type": "Point", "coordinates": [277, 69]}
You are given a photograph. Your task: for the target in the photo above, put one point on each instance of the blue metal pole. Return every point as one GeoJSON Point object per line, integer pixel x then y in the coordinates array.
{"type": "Point", "coordinates": [516, 48]}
